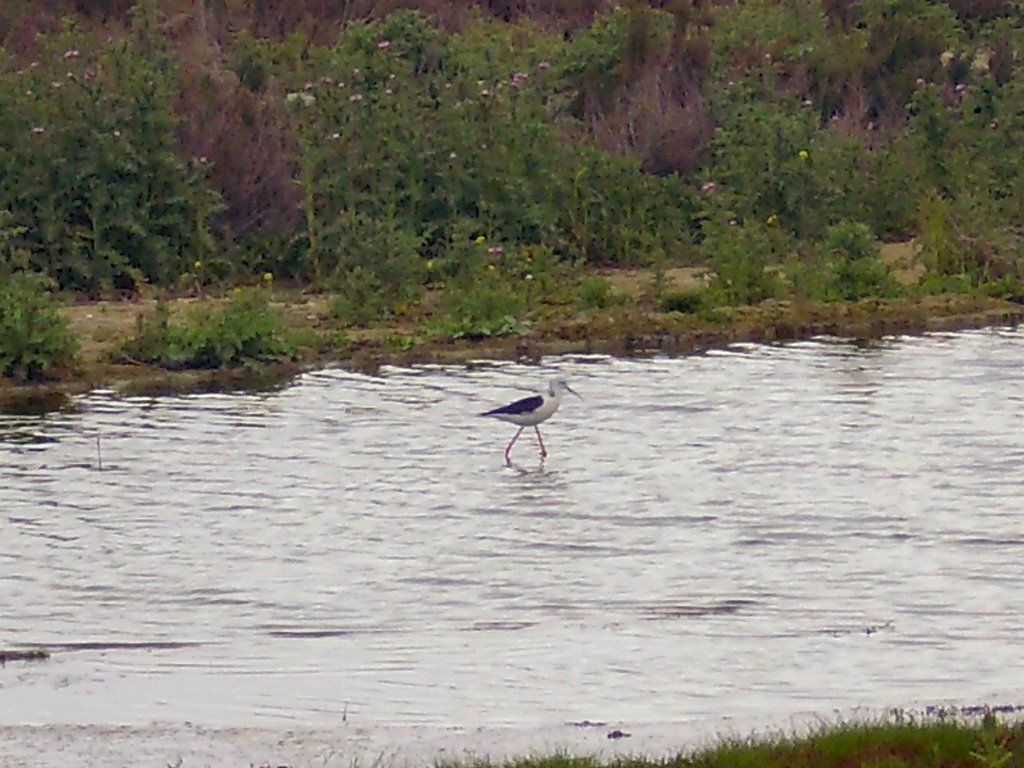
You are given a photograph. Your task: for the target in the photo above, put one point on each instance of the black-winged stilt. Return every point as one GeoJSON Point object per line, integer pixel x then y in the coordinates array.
{"type": "Point", "coordinates": [531, 411]}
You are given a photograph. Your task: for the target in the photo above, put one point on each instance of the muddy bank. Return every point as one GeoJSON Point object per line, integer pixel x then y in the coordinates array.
{"type": "Point", "coordinates": [617, 331]}
{"type": "Point", "coordinates": [187, 745]}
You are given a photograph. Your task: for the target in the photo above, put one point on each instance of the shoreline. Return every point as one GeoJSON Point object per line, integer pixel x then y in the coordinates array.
{"type": "Point", "coordinates": [620, 332]}
{"type": "Point", "coordinates": [162, 744]}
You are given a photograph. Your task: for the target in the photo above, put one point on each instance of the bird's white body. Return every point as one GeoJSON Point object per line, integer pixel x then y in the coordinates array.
{"type": "Point", "coordinates": [549, 404]}
{"type": "Point", "coordinates": [531, 411]}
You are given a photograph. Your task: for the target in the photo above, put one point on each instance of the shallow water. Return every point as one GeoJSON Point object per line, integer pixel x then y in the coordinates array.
{"type": "Point", "coordinates": [764, 530]}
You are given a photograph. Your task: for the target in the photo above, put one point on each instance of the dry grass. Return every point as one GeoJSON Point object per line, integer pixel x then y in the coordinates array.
{"type": "Point", "coordinates": [903, 258]}
{"type": "Point", "coordinates": [636, 282]}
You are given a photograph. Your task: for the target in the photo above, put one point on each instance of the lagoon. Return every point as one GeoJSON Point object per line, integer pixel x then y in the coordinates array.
{"type": "Point", "coordinates": [756, 532]}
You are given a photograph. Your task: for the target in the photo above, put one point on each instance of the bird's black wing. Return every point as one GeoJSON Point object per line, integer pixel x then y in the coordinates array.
{"type": "Point", "coordinates": [525, 405]}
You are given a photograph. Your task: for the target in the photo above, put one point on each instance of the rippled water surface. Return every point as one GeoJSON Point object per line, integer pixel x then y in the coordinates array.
{"type": "Point", "coordinates": [763, 530]}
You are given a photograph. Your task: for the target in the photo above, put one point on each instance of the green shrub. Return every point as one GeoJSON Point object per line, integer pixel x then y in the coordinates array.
{"type": "Point", "coordinates": [691, 301]}
{"type": "Point", "coordinates": [846, 266]}
{"type": "Point", "coordinates": [966, 236]}
{"type": "Point", "coordinates": [768, 161]}
{"type": "Point", "coordinates": [485, 308]}
{"type": "Point", "coordinates": [414, 138]}
{"type": "Point", "coordinates": [745, 259]}
{"type": "Point", "coordinates": [91, 172]}
{"type": "Point", "coordinates": [374, 267]}
{"type": "Point", "coordinates": [596, 292]}
{"type": "Point", "coordinates": [247, 329]}
{"type": "Point", "coordinates": [359, 298]}
{"type": "Point", "coordinates": [859, 271]}
{"type": "Point", "coordinates": [488, 296]}
{"type": "Point", "coordinates": [35, 340]}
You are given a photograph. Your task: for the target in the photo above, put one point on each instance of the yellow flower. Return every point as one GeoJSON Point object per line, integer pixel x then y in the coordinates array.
{"type": "Point", "coordinates": [772, 220]}
{"type": "Point", "coordinates": [198, 264]}
{"type": "Point", "coordinates": [803, 154]}
{"type": "Point", "coordinates": [268, 277]}
{"type": "Point", "coordinates": [430, 263]}
{"type": "Point", "coordinates": [480, 240]}
{"type": "Point", "coordinates": [490, 267]}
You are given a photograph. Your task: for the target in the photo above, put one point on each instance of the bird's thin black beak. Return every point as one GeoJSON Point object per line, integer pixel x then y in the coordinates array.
{"type": "Point", "coordinates": [574, 391]}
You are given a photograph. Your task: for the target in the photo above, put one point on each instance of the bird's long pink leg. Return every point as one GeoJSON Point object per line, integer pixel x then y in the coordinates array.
{"type": "Point", "coordinates": [508, 459]}
{"type": "Point", "coordinates": [543, 450]}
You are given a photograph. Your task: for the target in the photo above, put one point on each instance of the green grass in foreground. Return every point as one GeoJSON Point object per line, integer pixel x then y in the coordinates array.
{"type": "Point", "coordinates": [938, 744]}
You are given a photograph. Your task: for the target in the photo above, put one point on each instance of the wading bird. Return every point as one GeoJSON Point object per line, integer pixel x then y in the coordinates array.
{"type": "Point", "coordinates": [531, 411]}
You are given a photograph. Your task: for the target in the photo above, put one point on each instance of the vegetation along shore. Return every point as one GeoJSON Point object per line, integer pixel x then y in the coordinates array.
{"type": "Point", "coordinates": [899, 742]}
{"type": "Point", "coordinates": [943, 741]}
{"type": "Point", "coordinates": [196, 193]}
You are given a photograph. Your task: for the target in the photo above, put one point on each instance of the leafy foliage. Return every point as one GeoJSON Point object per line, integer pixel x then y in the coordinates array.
{"type": "Point", "coordinates": [757, 138]}
{"type": "Point", "coordinates": [857, 268]}
{"type": "Point", "coordinates": [245, 330]}
{"type": "Point", "coordinates": [742, 257]}
{"type": "Point", "coordinates": [89, 171]}
{"type": "Point", "coordinates": [35, 340]}
{"type": "Point", "coordinates": [689, 302]}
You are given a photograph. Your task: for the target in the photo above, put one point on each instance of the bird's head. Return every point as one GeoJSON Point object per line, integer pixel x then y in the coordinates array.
{"type": "Point", "coordinates": [559, 384]}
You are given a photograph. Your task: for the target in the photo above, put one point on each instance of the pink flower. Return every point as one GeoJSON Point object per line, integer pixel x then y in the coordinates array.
{"type": "Point", "coordinates": [544, 65]}
{"type": "Point", "coordinates": [38, 130]}
{"type": "Point", "coordinates": [71, 53]}
{"type": "Point", "coordinates": [356, 97]}
{"type": "Point", "coordinates": [495, 250]}
{"type": "Point", "coordinates": [707, 186]}
{"type": "Point", "coordinates": [384, 44]}
{"type": "Point", "coordinates": [517, 79]}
